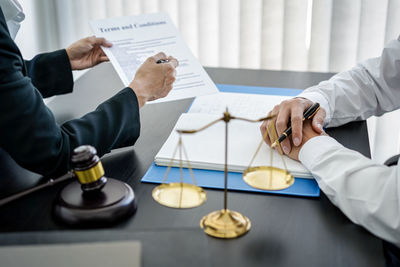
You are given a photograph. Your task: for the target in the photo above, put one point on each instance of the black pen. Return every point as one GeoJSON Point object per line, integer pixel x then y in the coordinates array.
{"type": "Point", "coordinates": [308, 114]}
{"type": "Point", "coordinates": [162, 61]}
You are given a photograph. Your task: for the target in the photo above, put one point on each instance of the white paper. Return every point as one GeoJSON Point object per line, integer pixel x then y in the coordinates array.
{"type": "Point", "coordinates": [135, 38]}
{"type": "Point", "coordinates": [251, 106]}
{"type": "Point", "coordinates": [205, 149]}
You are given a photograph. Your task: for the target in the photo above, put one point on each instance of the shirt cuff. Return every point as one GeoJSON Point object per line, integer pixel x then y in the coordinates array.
{"type": "Point", "coordinates": [318, 98]}
{"type": "Point", "coordinates": [314, 149]}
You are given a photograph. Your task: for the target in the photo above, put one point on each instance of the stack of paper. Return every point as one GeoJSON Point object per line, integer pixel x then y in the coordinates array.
{"type": "Point", "coordinates": [205, 149]}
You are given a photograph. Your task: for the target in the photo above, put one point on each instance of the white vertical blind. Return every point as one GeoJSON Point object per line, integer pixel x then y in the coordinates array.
{"type": "Point", "coordinates": [318, 57]}
{"type": "Point", "coordinates": [114, 8]}
{"type": "Point", "coordinates": [170, 7]}
{"type": "Point", "coordinates": [208, 32]}
{"type": "Point", "coordinates": [317, 35]}
{"type": "Point", "coordinates": [250, 33]}
{"type": "Point", "coordinates": [66, 27]}
{"type": "Point", "coordinates": [149, 6]}
{"type": "Point", "coordinates": [188, 24]}
{"type": "Point", "coordinates": [29, 31]}
{"type": "Point", "coordinates": [393, 20]}
{"type": "Point", "coordinates": [372, 20]}
{"type": "Point", "coordinates": [81, 24]}
{"type": "Point", "coordinates": [295, 54]}
{"type": "Point", "coordinates": [45, 27]}
{"type": "Point", "coordinates": [272, 34]}
{"type": "Point", "coordinates": [344, 34]}
{"type": "Point", "coordinates": [229, 34]}
{"type": "Point", "coordinates": [382, 148]}
{"type": "Point", "coordinates": [131, 7]}
{"type": "Point", "coordinates": [96, 9]}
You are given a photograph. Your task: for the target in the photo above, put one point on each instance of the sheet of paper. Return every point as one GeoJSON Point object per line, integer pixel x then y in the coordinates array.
{"type": "Point", "coordinates": [136, 38]}
{"type": "Point", "coordinates": [251, 106]}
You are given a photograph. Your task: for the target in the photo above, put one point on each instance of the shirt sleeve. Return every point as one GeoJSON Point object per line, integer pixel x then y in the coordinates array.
{"type": "Point", "coordinates": [51, 73]}
{"type": "Point", "coordinates": [370, 88]}
{"type": "Point", "coordinates": [367, 192]}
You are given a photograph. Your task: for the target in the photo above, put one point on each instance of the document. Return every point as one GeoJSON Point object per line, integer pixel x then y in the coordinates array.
{"type": "Point", "coordinates": [250, 106]}
{"type": "Point", "coordinates": [136, 38]}
{"type": "Point", "coordinates": [205, 149]}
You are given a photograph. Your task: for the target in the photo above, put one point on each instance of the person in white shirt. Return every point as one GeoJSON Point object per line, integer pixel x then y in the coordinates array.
{"type": "Point", "coordinates": [368, 193]}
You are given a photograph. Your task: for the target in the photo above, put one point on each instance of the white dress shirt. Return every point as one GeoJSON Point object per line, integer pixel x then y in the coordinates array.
{"type": "Point", "coordinates": [367, 192]}
{"type": "Point", "coordinates": [13, 14]}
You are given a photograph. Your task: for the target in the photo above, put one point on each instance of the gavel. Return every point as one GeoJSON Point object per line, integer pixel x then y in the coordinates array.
{"type": "Point", "coordinates": [92, 199]}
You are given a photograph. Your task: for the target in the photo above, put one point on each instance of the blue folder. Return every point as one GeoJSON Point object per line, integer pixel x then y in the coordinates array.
{"type": "Point", "coordinates": [215, 179]}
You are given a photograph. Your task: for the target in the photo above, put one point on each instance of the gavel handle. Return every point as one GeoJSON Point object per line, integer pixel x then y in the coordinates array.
{"type": "Point", "coordinates": [50, 182]}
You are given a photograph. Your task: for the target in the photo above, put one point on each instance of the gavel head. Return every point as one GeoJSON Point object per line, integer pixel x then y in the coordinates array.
{"type": "Point", "coordinates": [88, 168]}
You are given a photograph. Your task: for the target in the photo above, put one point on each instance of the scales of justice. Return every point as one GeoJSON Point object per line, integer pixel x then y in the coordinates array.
{"type": "Point", "coordinates": [223, 223]}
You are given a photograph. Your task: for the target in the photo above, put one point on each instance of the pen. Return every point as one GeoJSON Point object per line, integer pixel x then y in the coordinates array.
{"type": "Point", "coordinates": [308, 114]}
{"type": "Point", "coordinates": [162, 61]}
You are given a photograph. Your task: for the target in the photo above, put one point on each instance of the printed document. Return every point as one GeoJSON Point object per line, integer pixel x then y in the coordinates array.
{"type": "Point", "coordinates": [136, 38]}
{"type": "Point", "coordinates": [250, 106]}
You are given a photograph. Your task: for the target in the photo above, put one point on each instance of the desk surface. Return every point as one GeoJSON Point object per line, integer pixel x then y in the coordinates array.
{"type": "Point", "coordinates": [286, 231]}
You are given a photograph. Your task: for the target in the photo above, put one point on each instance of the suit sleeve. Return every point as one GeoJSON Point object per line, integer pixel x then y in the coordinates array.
{"type": "Point", "coordinates": [51, 73]}
{"type": "Point", "coordinates": [29, 132]}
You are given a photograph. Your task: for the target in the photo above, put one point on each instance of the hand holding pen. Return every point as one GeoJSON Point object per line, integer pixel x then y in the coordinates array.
{"type": "Point", "coordinates": [308, 114]}
{"type": "Point", "coordinates": [155, 77]}
{"type": "Point", "coordinates": [291, 110]}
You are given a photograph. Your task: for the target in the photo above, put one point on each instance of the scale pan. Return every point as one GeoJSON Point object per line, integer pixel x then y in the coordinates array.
{"type": "Point", "coordinates": [268, 178]}
{"type": "Point", "coordinates": [179, 195]}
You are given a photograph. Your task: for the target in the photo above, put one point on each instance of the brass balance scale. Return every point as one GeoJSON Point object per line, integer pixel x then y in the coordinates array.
{"type": "Point", "coordinates": [223, 223]}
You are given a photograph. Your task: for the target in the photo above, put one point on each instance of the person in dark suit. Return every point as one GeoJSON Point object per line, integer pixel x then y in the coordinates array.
{"type": "Point", "coordinates": [28, 130]}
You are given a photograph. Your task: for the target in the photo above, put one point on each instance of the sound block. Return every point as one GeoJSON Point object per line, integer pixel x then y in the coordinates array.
{"type": "Point", "coordinates": [114, 203]}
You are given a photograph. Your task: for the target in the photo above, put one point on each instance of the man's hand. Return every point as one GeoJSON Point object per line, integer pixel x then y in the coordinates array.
{"type": "Point", "coordinates": [293, 109]}
{"type": "Point", "coordinates": [307, 133]}
{"type": "Point", "coordinates": [152, 80]}
{"type": "Point", "coordinates": [87, 52]}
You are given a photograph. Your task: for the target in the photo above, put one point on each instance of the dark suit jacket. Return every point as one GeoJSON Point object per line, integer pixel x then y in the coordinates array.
{"type": "Point", "coordinates": [28, 130]}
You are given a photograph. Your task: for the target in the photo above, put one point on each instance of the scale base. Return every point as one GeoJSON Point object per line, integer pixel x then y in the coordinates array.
{"type": "Point", "coordinates": [225, 223]}
{"type": "Point", "coordinates": [115, 202]}
{"type": "Point", "coordinates": [179, 195]}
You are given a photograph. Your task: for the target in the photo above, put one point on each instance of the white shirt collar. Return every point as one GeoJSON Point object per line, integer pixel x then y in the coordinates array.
{"type": "Point", "coordinates": [13, 14]}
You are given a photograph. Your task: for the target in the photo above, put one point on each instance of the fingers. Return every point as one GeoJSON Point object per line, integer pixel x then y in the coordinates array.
{"type": "Point", "coordinates": [170, 70]}
{"type": "Point", "coordinates": [103, 59]}
{"type": "Point", "coordinates": [318, 120]}
{"type": "Point", "coordinates": [159, 56]}
{"type": "Point", "coordinates": [296, 120]}
{"type": "Point", "coordinates": [281, 125]}
{"type": "Point", "coordinates": [169, 80]}
{"type": "Point", "coordinates": [173, 61]}
{"type": "Point", "coordinates": [273, 135]}
{"type": "Point", "coordinates": [93, 40]}
{"type": "Point", "coordinates": [263, 129]}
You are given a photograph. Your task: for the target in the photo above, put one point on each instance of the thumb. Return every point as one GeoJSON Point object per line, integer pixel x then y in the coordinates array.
{"type": "Point", "coordinates": [99, 41]}
{"type": "Point", "coordinates": [318, 120]}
